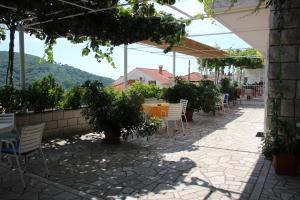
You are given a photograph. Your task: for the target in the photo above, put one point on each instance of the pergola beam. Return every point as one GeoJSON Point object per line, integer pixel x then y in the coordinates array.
{"type": "Point", "coordinates": [76, 5]}
{"type": "Point", "coordinates": [174, 67]}
{"type": "Point", "coordinates": [125, 66]}
{"type": "Point", "coordinates": [181, 11]}
{"type": "Point", "coordinates": [78, 14]}
{"type": "Point", "coordinates": [22, 56]}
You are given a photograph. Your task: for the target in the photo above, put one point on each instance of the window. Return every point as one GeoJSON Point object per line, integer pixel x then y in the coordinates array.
{"type": "Point", "coordinates": [152, 82]}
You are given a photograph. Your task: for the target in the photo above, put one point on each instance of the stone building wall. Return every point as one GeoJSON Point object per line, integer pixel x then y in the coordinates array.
{"type": "Point", "coordinates": [57, 122]}
{"type": "Point", "coordinates": [284, 62]}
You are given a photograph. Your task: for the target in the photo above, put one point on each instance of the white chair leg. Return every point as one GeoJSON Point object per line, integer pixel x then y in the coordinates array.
{"type": "Point", "coordinates": [182, 127]}
{"type": "Point", "coordinates": [174, 129]}
{"type": "Point", "coordinates": [186, 121]}
{"type": "Point", "coordinates": [45, 163]}
{"type": "Point", "coordinates": [26, 160]}
{"type": "Point", "coordinates": [18, 164]}
{"type": "Point", "coordinates": [167, 125]}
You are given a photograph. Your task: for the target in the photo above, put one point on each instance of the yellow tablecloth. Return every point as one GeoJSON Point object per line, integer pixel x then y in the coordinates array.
{"type": "Point", "coordinates": [156, 109]}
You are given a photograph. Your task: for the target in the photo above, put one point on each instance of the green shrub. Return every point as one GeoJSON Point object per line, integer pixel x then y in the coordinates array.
{"type": "Point", "coordinates": [114, 113]}
{"type": "Point", "coordinates": [44, 94]}
{"type": "Point", "coordinates": [228, 87]}
{"type": "Point", "coordinates": [72, 99]}
{"type": "Point", "coordinates": [208, 96]}
{"type": "Point", "coordinates": [143, 91]}
{"type": "Point", "coordinates": [146, 129]}
{"type": "Point", "coordinates": [183, 90]}
{"type": "Point", "coordinates": [9, 99]}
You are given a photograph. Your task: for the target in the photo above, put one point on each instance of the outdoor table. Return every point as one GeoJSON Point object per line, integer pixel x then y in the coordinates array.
{"type": "Point", "coordinates": [6, 127]}
{"type": "Point", "coordinates": [158, 110]}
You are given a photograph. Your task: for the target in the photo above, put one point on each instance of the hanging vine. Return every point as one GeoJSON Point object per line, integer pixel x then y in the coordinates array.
{"type": "Point", "coordinates": [108, 24]}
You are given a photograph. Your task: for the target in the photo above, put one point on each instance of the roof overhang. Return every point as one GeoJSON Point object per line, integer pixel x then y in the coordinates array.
{"type": "Point", "coordinates": [191, 48]}
{"type": "Point", "coordinates": [246, 21]}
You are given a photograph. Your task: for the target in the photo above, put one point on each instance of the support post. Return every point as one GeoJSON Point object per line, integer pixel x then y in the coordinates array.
{"type": "Point", "coordinates": [22, 56]}
{"type": "Point", "coordinates": [265, 86]}
{"type": "Point", "coordinates": [125, 66]}
{"type": "Point", "coordinates": [189, 71]}
{"type": "Point", "coordinates": [174, 67]}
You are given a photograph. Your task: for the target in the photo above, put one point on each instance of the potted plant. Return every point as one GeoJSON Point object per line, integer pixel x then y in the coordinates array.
{"type": "Point", "coordinates": [183, 90]}
{"type": "Point", "coordinates": [208, 96]}
{"type": "Point", "coordinates": [280, 145]}
{"type": "Point", "coordinates": [113, 113]}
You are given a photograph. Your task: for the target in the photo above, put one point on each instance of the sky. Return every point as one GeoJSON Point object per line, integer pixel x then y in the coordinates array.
{"type": "Point", "coordinates": [67, 53]}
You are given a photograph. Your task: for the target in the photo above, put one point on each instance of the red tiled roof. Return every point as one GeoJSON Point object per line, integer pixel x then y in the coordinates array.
{"type": "Point", "coordinates": [194, 76]}
{"type": "Point", "coordinates": [164, 78]}
{"type": "Point", "coordinates": [120, 86]}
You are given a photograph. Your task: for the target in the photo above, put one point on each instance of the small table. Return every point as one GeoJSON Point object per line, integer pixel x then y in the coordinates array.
{"type": "Point", "coordinates": [5, 128]}
{"type": "Point", "coordinates": [158, 110]}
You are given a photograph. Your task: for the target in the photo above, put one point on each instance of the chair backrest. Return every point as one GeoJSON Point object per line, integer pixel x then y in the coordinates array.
{"type": "Point", "coordinates": [175, 111]}
{"type": "Point", "coordinates": [221, 99]}
{"type": "Point", "coordinates": [151, 100]}
{"type": "Point", "coordinates": [226, 97]}
{"type": "Point", "coordinates": [161, 101]}
{"type": "Point", "coordinates": [184, 103]}
{"type": "Point", "coordinates": [8, 118]}
{"type": "Point", "coordinates": [31, 138]}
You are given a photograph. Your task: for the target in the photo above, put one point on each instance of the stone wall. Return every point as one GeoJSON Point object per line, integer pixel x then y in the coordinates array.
{"type": "Point", "coordinates": [57, 122]}
{"type": "Point", "coordinates": [284, 62]}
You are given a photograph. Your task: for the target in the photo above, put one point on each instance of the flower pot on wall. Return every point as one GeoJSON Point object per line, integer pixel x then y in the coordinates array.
{"type": "Point", "coordinates": [285, 164]}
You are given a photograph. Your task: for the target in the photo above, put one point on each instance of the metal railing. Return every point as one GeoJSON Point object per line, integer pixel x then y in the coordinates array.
{"type": "Point", "coordinates": [251, 94]}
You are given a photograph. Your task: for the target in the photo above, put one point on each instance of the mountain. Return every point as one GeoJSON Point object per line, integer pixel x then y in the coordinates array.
{"type": "Point", "coordinates": [64, 74]}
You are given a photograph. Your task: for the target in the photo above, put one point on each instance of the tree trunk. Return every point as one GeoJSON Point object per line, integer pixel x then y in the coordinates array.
{"type": "Point", "coordinates": [216, 81]}
{"type": "Point", "coordinates": [10, 65]}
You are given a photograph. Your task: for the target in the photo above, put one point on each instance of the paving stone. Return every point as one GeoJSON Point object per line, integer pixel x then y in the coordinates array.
{"type": "Point", "coordinates": [221, 161]}
{"type": "Point", "coordinates": [64, 196]}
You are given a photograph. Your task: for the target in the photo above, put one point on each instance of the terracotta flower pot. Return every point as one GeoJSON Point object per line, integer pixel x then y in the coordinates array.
{"type": "Point", "coordinates": [189, 116]}
{"type": "Point", "coordinates": [285, 164]}
{"type": "Point", "coordinates": [112, 139]}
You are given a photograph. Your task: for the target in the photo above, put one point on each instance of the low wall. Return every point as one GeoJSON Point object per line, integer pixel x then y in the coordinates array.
{"type": "Point", "coordinates": [57, 122]}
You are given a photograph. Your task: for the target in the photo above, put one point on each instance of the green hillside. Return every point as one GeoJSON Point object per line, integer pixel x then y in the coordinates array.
{"type": "Point", "coordinates": [64, 74]}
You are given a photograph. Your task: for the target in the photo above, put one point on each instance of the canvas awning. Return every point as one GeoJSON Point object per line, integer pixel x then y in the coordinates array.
{"type": "Point", "coordinates": [192, 48]}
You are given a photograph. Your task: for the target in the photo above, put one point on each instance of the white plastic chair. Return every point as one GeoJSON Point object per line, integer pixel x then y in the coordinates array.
{"type": "Point", "coordinates": [226, 100]}
{"type": "Point", "coordinates": [184, 103]}
{"type": "Point", "coordinates": [220, 104]}
{"type": "Point", "coordinates": [150, 100]}
{"type": "Point", "coordinates": [174, 115]}
{"type": "Point", "coordinates": [29, 142]}
{"type": "Point", "coordinates": [7, 118]}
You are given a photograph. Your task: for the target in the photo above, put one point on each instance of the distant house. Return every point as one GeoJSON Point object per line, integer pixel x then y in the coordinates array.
{"type": "Point", "coordinates": [252, 76]}
{"type": "Point", "coordinates": [192, 77]}
{"type": "Point", "coordinates": [159, 77]}
{"type": "Point", "coordinates": [196, 77]}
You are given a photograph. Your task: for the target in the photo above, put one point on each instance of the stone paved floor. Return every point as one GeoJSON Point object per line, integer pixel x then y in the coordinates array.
{"type": "Point", "coordinates": [218, 158]}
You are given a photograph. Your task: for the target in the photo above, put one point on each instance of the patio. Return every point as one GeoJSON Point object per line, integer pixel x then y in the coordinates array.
{"type": "Point", "coordinates": [219, 158]}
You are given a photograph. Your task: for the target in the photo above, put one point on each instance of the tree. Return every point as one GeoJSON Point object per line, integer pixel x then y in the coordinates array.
{"type": "Point", "coordinates": [242, 59]}
{"type": "Point", "coordinates": [101, 24]}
